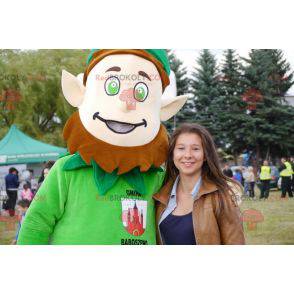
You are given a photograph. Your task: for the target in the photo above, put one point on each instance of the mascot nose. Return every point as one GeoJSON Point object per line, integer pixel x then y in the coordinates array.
{"type": "Point", "coordinates": [127, 96]}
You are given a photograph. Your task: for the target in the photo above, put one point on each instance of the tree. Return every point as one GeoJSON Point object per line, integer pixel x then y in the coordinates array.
{"type": "Point", "coordinates": [232, 118]}
{"type": "Point", "coordinates": [267, 79]}
{"type": "Point", "coordinates": [182, 88]}
{"type": "Point", "coordinates": [205, 89]}
{"type": "Point", "coordinates": [9, 87]}
{"type": "Point", "coordinates": [41, 111]}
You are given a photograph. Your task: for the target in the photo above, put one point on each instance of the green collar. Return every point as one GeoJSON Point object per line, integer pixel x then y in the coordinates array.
{"type": "Point", "coordinates": [103, 180]}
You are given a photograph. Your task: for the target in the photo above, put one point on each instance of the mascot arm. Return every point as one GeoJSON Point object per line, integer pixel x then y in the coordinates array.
{"type": "Point", "coordinates": [160, 178]}
{"type": "Point", "coordinates": [46, 208]}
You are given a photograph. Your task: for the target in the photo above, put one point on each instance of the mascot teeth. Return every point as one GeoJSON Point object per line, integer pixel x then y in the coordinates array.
{"type": "Point", "coordinates": [121, 128]}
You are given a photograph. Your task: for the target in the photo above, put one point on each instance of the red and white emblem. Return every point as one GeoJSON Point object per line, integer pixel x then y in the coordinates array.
{"type": "Point", "coordinates": [134, 216]}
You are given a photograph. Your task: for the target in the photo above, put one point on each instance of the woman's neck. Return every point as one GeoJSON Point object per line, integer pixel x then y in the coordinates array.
{"type": "Point", "coordinates": [188, 182]}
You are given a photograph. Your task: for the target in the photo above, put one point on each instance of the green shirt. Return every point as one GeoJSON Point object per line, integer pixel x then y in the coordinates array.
{"type": "Point", "coordinates": [68, 209]}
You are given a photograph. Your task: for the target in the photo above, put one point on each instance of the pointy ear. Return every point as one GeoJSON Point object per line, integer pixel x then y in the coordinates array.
{"type": "Point", "coordinates": [72, 88]}
{"type": "Point", "coordinates": [170, 106]}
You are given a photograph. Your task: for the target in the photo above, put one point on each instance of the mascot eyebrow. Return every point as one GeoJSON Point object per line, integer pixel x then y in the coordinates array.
{"type": "Point", "coordinates": [114, 68]}
{"type": "Point", "coordinates": [143, 73]}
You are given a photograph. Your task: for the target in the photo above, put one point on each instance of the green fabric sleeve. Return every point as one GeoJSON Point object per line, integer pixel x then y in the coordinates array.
{"type": "Point", "coordinates": [160, 179]}
{"type": "Point", "coordinates": [46, 209]}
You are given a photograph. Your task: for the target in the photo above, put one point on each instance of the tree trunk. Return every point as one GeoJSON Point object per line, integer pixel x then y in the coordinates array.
{"type": "Point", "coordinates": [267, 153]}
{"type": "Point", "coordinates": [235, 159]}
{"type": "Point", "coordinates": [257, 154]}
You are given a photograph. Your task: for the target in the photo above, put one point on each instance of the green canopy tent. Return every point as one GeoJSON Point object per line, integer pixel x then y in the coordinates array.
{"type": "Point", "coordinates": [18, 148]}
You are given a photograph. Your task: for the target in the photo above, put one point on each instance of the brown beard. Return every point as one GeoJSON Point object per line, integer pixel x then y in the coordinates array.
{"type": "Point", "coordinates": [109, 157]}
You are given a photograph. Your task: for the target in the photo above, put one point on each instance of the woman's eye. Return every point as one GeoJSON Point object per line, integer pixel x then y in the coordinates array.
{"type": "Point", "coordinates": [112, 86]}
{"type": "Point", "coordinates": [140, 92]}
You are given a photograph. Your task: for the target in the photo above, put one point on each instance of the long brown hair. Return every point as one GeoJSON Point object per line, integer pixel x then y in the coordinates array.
{"type": "Point", "coordinates": [211, 169]}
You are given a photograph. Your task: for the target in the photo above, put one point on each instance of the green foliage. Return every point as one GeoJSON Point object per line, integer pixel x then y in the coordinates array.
{"type": "Point", "coordinates": [41, 110]}
{"type": "Point", "coordinates": [205, 88]}
{"type": "Point", "coordinates": [272, 121]}
{"type": "Point", "coordinates": [231, 110]}
{"type": "Point", "coordinates": [261, 123]}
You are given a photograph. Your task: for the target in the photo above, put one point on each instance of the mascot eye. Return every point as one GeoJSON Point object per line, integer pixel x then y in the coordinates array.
{"type": "Point", "coordinates": [112, 86]}
{"type": "Point", "coordinates": [140, 92]}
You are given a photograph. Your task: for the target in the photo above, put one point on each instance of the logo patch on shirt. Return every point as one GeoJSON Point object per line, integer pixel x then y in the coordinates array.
{"type": "Point", "coordinates": [134, 216]}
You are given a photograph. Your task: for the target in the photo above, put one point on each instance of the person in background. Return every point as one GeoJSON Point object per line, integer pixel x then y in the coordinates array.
{"type": "Point", "coordinates": [26, 193]}
{"type": "Point", "coordinates": [265, 178]}
{"type": "Point", "coordinates": [286, 175]}
{"type": "Point", "coordinates": [45, 172]}
{"type": "Point", "coordinates": [238, 176]}
{"type": "Point", "coordinates": [227, 171]}
{"type": "Point", "coordinates": [22, 207]}
{"type": "Point", "coordinates": [251, 178]}
{"type": "Point", "coordinates": [246, 177]}
{"type": "Point", "coordinates": [26, 176]}
{"type": "Point", "coordinates": [12, 183]}
{"type": "Point", "coordinates": [29, 180]}
{"type": "Point", "coordinates": [292, 165]}
{"type": "Point", "coordinates": [34, 185]}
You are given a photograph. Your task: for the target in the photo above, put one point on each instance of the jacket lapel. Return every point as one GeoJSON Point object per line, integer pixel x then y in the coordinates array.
{"type": "Point", "coordinates": [163, 195]}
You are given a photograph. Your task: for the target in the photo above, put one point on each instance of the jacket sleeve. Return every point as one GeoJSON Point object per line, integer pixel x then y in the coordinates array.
{"type": "Point", "coordinates": [15, 181]}
{"type": "Point", "coordinates": [230, 220]}
{"type": "Point", "coordinates": [46, 208]}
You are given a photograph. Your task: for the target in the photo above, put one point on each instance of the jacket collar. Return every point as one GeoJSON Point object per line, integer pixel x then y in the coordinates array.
{"type": "Point", "coordinates": [163, 195]}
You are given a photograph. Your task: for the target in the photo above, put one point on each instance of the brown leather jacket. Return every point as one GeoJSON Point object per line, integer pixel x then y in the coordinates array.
{"type": "Point", "coordinates": [216, 218]}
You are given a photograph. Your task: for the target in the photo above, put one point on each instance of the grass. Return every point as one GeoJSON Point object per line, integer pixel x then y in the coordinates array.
{"type": "Point", "coordinates": [277, 227]}
{"type": "Point", "coordinates": [6, 236]}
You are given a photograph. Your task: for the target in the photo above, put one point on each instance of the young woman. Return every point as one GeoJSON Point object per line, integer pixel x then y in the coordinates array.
{"type": "Point", "coordinates": [198, 204]}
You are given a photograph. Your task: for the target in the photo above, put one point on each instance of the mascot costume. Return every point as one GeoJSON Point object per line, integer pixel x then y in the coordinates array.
{"type": "Point", "coordinates": [102, 192]}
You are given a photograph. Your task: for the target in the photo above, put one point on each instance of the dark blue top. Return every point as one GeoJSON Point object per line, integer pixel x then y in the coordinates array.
{"type": "Point", "coordinates": [178, 230]}
{"type": "Point", "coordinates": [11, 181]}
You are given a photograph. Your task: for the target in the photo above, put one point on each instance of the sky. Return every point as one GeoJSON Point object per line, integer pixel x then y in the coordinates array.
{"type": "Point", "coordinates": [189, 56]}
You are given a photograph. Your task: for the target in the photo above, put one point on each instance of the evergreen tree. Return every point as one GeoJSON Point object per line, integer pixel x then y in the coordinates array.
{"type": "Point", "coordinates": [182, 88]}
{"type": "Point", "coordinates": [232, 117]}
{"type": "Point", "coordinates": [268, 78]}
{"type": "Point", "coordinates": [206, 90]}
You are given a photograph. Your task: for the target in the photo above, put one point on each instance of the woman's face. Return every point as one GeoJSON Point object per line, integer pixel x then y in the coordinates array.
{"type": "Point", "coordinates": [188, 154]}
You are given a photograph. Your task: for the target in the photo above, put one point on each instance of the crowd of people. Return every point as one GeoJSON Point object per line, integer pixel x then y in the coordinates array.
{"type": "Point", "coordinates": [26, 188]}
{"type": "Point", "coordinates": [20, 195]}
{"type": "Point", "coordinates": [263, 176]}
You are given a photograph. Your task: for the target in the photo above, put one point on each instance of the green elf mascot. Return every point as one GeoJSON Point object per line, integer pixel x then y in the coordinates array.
{"type": "Point", "coordinates": [102, 192]}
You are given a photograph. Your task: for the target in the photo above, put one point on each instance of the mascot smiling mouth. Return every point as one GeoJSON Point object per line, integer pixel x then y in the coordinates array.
{"type": "Point", "coordinates": [118, 126]}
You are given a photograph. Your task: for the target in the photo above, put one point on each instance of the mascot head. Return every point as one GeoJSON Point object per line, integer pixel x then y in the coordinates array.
{"type": "Point", "coordinates": [121, 101]}
{"type": "Point", "coordinates": [119, 96]}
